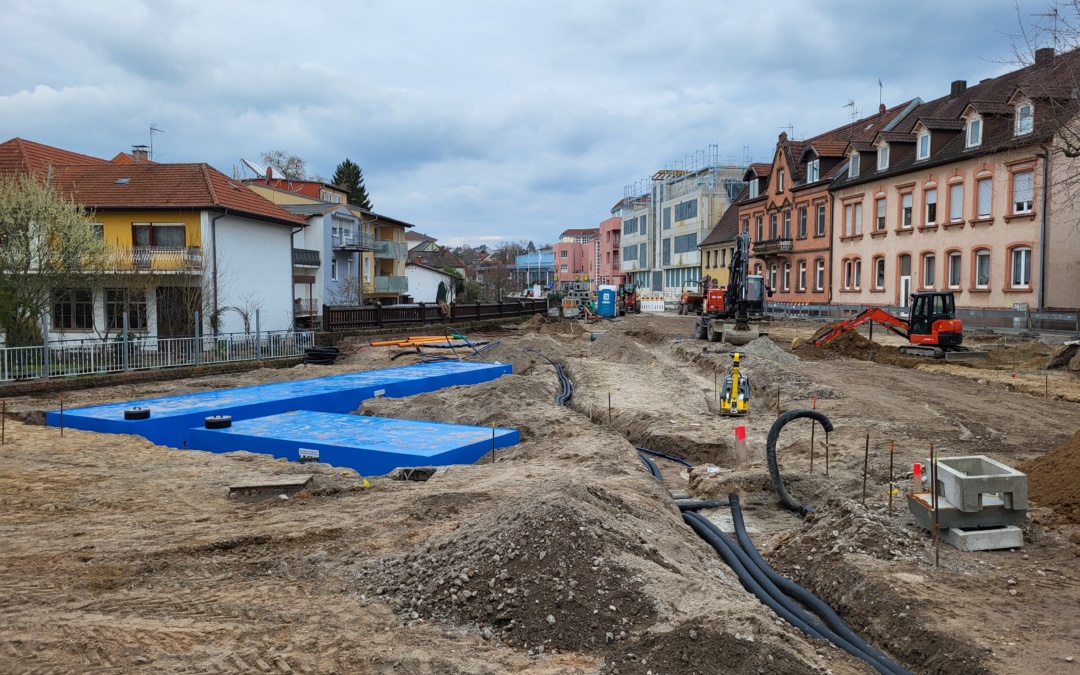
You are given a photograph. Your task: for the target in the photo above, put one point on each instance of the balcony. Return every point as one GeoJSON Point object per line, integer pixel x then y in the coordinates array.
{"type": "Point", "coordinates": [389, 284]}
{"type": "Point", "coordinates": [390, 249]}
{"type": "Point", "coordinates": [305, 257]}
{"type": "Point", "coordinates": [167, 259]}
{"type": "Point", "coordinates": [772, 247]}
{"type": "Point", "coordinates": [351, 241]}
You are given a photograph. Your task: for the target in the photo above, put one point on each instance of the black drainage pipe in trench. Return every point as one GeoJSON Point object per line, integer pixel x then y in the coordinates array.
{"type": "Point", "coordinates": [770, 453]}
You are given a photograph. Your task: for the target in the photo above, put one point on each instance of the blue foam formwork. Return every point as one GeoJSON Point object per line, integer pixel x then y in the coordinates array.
{"type": "Point", "coordinates": [172, 417]}
{"type": "Point", "coordinates": [371, 445]}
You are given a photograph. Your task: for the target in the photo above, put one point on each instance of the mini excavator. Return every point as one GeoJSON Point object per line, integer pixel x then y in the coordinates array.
{"type": "Point", "coordinates": [735, 397]}
{"type": "Point", "coordinates": [932, 329]}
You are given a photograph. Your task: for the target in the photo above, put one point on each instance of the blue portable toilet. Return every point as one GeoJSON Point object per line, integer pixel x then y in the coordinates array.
{"type": "Point", "coordinates": [605, 305]}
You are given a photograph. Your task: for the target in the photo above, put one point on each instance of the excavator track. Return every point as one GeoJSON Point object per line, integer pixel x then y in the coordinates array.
{"type": "Point", "coordinates": [923, 351]}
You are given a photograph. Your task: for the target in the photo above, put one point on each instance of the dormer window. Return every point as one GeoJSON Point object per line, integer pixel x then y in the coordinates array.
{"type": "Point", "coordinates": [753, 187]}
{"type": "Point", "coordinates": [923, 146]}
{"type": "Point", "coordinates": [853, 171]}
{"type": "Point", "coordinates": [883, 158]}
{"type": "Point", "coordinates": [779, 181]}
{"type": "Point", "coordinates": [1025, 119]}
{"type": "Point", "coordinates": [813, 171]}
{"type": "Point", "coordinates": [974, 132]}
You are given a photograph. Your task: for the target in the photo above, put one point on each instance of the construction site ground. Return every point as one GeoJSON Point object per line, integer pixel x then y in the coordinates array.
{"type": "Point", "coordinates": [561, 554]}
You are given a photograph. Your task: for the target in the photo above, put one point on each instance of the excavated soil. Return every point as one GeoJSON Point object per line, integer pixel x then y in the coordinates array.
{"type": "Point", "coordinates": [1054, 479]}
{"type": "Point", "coordinates": [560, 554]}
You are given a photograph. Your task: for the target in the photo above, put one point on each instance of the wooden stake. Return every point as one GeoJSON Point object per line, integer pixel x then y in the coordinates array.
{"type": "Point", "coordinates": [778, 400]}
{"type": "Point", "coordinates": [61, 415]}
{"type": "Point", "coordinates": [813, 426]}
{"type": "Point", "coordinates": [934, 513]}
{"type": "Point", "coordinates": [826, 454]}
{"type": "Point", "coordinates": [865, 468]}
{"type": "Point", "coordinates": [609, 406]}
{"type": "Point", "coordinates": [492, 441]}
{"type": "Point", "coordinates": [716, 390]}
{"type": "Point", "coordinates": [1046, 386]}
{"type": "Point", "coordinates": [890, 477]}
{"type": "Point", "coordinates": [3, 421]}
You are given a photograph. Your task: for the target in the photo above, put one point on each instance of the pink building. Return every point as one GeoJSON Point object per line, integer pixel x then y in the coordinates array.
{"type": "Point", "coordinates": [576, 256]}
{"type": "Point", "coordinates": [610, 243]}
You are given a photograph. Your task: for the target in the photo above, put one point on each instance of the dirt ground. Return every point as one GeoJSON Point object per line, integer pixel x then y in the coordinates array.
{"type": "Point", "coordinates": [561, 554]}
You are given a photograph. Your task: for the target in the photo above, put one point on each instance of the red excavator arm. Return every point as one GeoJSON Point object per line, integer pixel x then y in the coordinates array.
{"type": "Point", "coordinates": [898, 326]}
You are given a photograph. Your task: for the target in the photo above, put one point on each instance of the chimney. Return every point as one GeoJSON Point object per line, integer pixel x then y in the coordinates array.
{"type": "Point", "coordinates": [140, 153]}
{"type": "Point", "coordinates": [269, 174]}
{"type": "Point", "coordinates": [881, 108]}
{"type": "Point", "coordinates": [958, 87]}
{"type": "Point", "coordinates": [1044, 56]}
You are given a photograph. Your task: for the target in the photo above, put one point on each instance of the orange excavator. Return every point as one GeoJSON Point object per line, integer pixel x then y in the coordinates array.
{"type": "Point", "coordinates": [932, 328]}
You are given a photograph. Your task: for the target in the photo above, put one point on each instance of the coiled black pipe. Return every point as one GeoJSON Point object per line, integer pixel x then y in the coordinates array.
{"type": "Point", "coordinates": [770, 453]}
{"type": "Point", "coordinates": [673, 458]}
{"type": "Point", "coordinates": [651, 466]}
{"type": "Point", "coordinates": [697, 505]}
{"type": "Point", "coordinates": [566, 387]}
{"type": "Point", "coordinates": [793, 590]}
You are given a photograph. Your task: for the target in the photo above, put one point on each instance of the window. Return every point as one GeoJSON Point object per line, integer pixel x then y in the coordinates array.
{"type": "Point", "coordinates": [723, 257]}
{"type": "Point", "coordinates": [99, 231]}
{"type": "Point", "coordinates": [158, 235]}
{"type": "Point", "coordinates": [982, 268]}
{"type": "Point", "coordinates": [753, 187]}
{"type": "Point", "coordinates": [772, 275]}
{"type": "Point", "coordinates": [665, 252]}
{"type": "Point", "coordinates": [73, 310]}
{"type": "Point", "coordinates": [118, 301]}
{"type": "Point", "coordinates": [772, 226]}
{"type": "Point", "coordinates": [819, 275]}
{"type": "Point", "coordinates": [786, 285]}
{"type": "Point", "coordinates": [630, 252]}
{"type": "Point", "coordinates": [787, 225]}
{"type": "Point", "coordinates": [802, 223]}
{"type": "Point", "coordinates": [905, 210]}
{"type": "Point", "coordinates": [643, 255]}
{"type": "Point", "coordinates": [686, 210]}
{"type": "Point", "coordinates": [820, 220]}
{"type": "Point", "coordinates": [367, 269]}
{"type": "Point", "coordinates": [956, 202]}
{"type": "Point", "coordinates": [1021, 267]}
{"type": "Point", "coordinates": [879, 219]}
{"type": "Point", "coordinates": [928, 268]}
{"type": "Point", "coordinates": [802, 276]}
{"type": "Point", "coordinates": [984, 188]}
{"type": "Point", "coordinates": [1025, 119]}
{"type": "Point", "coordinates": [564, 268]}
{"type": "Point", "coordinates": [563, 253]}
{"type": "Point", "coordinates": [974, 132]}
{"type": "Point", "coordinates": [879, 273]}
{"type": "Point", "coordinates": [746, 225]}
{"type": "Point", "coordinates": [858, 273]}
{"type": "Point", "coordinates": [848, 212]}
{"type": "Point", "coordinates": [858, 218]}
{"type": "Point", "coordinates": [1023, 191]}
{"type": "Point", "coordinates": [333, 269]}
{"type": "Point", "coordinates": [813, 171]}
{"type": "Point", "coordinates": [954, 269]}
{"type": "Point", "coordinates": [779, 181]}
{"type": "Point", "coordinates": [848, 264]}
{"type": "Point", "coordinates": [760, 229]}
{"type": "Point", "coordinates": [853, 171]}
{"type": "Point", "coordinates": [931, 206]}
{"type": "Point", "coordinates": [883, 158]}
{"type": "Point", "coordinates": [686, 242]}
{"type": "Point", "coordinates": [923, 146]}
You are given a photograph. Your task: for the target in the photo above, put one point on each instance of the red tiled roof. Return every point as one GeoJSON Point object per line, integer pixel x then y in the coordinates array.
{"type": "Point", "coordinates": [128, 158]}
{"type": "Point", "coordinates": [575, 233]}
{"type": "Point", "coordinates": [22, 156]}
{"type": "Point", "coordinates": [828, 148]}
{"type": "Point", "coordinates": [761, 169]}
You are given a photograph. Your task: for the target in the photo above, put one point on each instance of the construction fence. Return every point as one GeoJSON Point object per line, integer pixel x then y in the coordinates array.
{"type": "Point", "coordinates": [1019, 319]}
{"type": "Point", "coordinates": [337, 318]}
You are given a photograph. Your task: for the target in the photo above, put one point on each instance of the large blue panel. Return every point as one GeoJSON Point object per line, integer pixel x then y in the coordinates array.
{"type": "Point", "coordinates": [371, 445]}
{"type": "Point", "coordinates": [172, 417]}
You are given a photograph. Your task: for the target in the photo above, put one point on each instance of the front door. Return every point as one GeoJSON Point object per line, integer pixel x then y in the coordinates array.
{"type": "Point", "coordinates": [905, 280]}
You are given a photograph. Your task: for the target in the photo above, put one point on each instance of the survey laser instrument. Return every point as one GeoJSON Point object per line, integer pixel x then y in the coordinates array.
{"type": "Point", "coordinates": [735, 397]}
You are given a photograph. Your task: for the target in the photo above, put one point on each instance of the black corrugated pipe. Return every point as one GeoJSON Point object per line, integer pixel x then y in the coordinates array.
{"type": "Point", "coordinates": [673, 458]}
{"type": "Point", "coordinates": [697, 505]}
{"type": "Point", "coordinates": [651, 466]}
{"type": "Point", "coordinates": [770, 453]}
{"type": "Point", "coordinates": [797, 592]}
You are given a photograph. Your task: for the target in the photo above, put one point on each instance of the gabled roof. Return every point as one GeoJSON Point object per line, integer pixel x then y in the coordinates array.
{"type": "Point", "coordinates": [826, 148]}
{"type": "Point", "coordinates": [439, 258]}
{"type": "Point", "coordinates": [128, 158]}
{"type": "Point", "coordinates": [941, 123]}
{"type": "Point", "coordinates": [758, 169]}
{"type": "Point", "coordinates": [22, 156]}
{"type": "Point", "coordinates": [895, 137]}
{"type": "Point", "coordinates": [580, 232]}
{"type": "Point", "coordinates": [725, 229]}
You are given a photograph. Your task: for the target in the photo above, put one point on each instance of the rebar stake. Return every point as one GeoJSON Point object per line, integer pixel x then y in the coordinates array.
{"type": "Point", "coordinates": [890, 477]}
{"type": "Point", "coordinates": [826, 454]}
{"type": "Point", "coordinates": [933, 495]}
{"type": "Point", "coordinates": [61, 415]}
{"type": "Point", "coordinates": [865, 468]}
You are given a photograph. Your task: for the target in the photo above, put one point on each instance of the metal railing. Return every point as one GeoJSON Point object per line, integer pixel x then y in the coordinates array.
{"type": "Point", "coordinates": [353, 240]}
{"type": "Point", "coordinates": [305, 257]}
{"type": "Point", "coordinates": [72, 358]}
{"type": "Point", "coordinates": [972, 318]}
{"type": "Point", "coordinates": [780, 245]}
{"type": "Point", "coordinates": [156, 258]}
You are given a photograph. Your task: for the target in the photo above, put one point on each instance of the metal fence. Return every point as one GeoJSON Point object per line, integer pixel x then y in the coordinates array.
{"type": "Point", "coordinates": [71, 358]}
{"type": "Point", "coordinates": [972, 318]}
{"type": "Point", "coordinates": [378, 316]}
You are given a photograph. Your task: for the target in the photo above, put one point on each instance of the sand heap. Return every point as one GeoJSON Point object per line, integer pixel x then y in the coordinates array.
{"type": "Point", "coordinates": [852, 345]}
{"type": "Point", "coordinates": [1054, 479]}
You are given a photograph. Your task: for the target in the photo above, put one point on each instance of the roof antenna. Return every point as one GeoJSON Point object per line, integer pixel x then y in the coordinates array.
{"type": "Point", "coordinates": [880, 88]}
{"type": "Point", "coordinates": [790, 129]}
{"type": "Point", "coordinates": [153, 128]}
{"type": "Point", "coordinates": [1052, 14]}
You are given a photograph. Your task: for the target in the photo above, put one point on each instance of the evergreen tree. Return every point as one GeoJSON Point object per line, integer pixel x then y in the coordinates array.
{"type": "Point", "coordinates": [349, 176]}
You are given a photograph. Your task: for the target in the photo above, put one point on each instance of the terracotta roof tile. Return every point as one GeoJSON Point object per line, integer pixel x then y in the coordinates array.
{"type": "Point", "coordinates": [19, 155]}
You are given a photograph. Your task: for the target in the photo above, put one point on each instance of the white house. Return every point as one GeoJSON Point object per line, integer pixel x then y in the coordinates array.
{"type": "Point", "coordinates": [424, 282]}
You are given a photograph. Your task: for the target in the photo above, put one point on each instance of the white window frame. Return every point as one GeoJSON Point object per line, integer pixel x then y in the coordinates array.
{"type": "Point", "coordinates": [883, 158]}
{"type": "Point", "coordinates": [853, 165]}
{"type": "Point", "coordinates": [813, 171]}
{"type": "Point", "coordinates": [984, 201]}
{"type": "Point", "coordinates": [786, 277]}
{"type": "Point", "coordinates": [848, 223]}
{"type": "Point", "coordinates": [858, 218]}
{"type": "Point", "coordinates": [333, 269]}
{"type": "Point", "coordinates": [879, 273]}
{"type": "Point", "coordinates": [858, 273]}
{"type": "Point", "coordinates": [753, 187]}
{"type": "Point", "coordinates": [929, 270]}
{"type": "Point", "coordinates": [1025, 123]}
{"type": "Point", "coordinates": [930, 197]}
{"type": "Point", "coordinates": [819, 275]}
{"type": "Point", "coordinates": [956, 202]}
{"type": "Point", "coordinates": [1023, 206]}
{"type": "Point", "coordinates": [954, 269]}
{"type": "Point", "coordinates": [879, 220]}
{"type": "Point", "coordinates": [779, 181]}
{"type": "Point", "coordinates": [1021, 254]}
{"type": "Point", "coordinates": [973, 133]}
{"type": "Point", "coordinates": [801, 277]}
{"type": "Point", "coordinates": [983, 281]}
{"type": "Point", "coordinates": [907, 206]}
{"type": "Point", "coordinates": [922, 146]}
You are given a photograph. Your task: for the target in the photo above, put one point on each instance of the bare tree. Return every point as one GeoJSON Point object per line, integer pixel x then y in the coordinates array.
{"type": "Point", "coordinates": [349, 292]}
{"type": "Point", "coordinates": [291, 167]}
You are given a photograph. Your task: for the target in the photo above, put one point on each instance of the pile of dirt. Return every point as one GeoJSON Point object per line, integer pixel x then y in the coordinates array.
{"type": "Point", "coordinates": [1054, 479]}
{"type": "Point", "coordinates": [852, 345]}
{"type": "Point", "coordinates": [764, 349]}
{"type": "Point", "coordinates": [1066, 356]}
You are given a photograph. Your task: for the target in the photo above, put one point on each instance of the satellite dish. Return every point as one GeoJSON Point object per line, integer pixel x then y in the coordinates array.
{"type": "Point", "coordinates": [259, 169]}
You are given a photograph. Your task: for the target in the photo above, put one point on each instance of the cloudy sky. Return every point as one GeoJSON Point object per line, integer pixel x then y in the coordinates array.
{"type": "Point", "coordinates": [479, 121]}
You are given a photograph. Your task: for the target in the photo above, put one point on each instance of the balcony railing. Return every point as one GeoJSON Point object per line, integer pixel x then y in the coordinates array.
{"type": "Point", "coordinates": [352, 241]}
{"type": "Point", "coordinates": [177, 259]}
{"type": "Point", "coordinates": [389, 284]}
{"type": "Point", "coordinates": [772, 246]}
{"type": "Point", "coordinates": [305, 257]}
{"type": "Point", "coordinates": [390, 249]}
